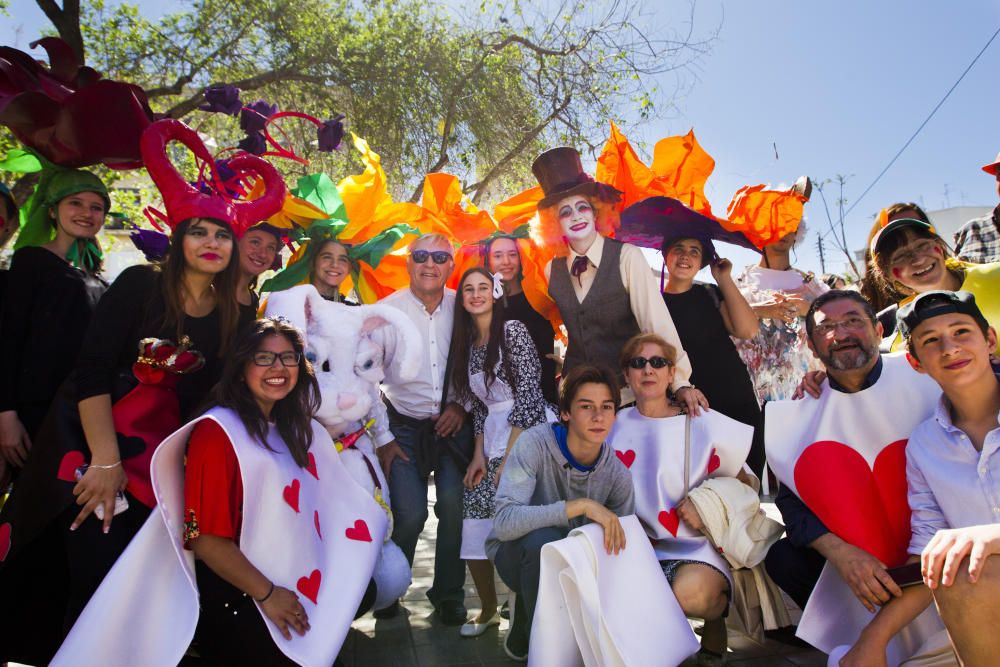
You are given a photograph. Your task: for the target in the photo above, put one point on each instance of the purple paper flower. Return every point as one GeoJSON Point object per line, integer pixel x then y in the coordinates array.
{"type": "Point", "coordinates": [330, 134]}
{"type": "Point", "coordinates": [254, 143]}
{"type": "Point", "coordinates": [222, 98]}
{"type": "Point", "coordinates": [253, 116]}
{"type": "Point", "coordinates": [153, 244]}
{"type": "Point", "coordinates": [226, 172]}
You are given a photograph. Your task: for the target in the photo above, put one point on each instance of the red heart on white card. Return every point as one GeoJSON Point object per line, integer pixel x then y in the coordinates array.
{"type": "Point", "coordinates": [291, 494]}
{"type": "Point", "coordinates": [311, 467]}
{"type": "Point", "coordinates": [4, 541]}
{"type": "Point", "coordinates": [67, 467]}
{"type": "Point", "coordinates": [309, 586]}
{"type": "Point", "coordinates": [713, 462]}
{"type": "Point", "coordinates": [669, 520]}
{"type": "Point", "coordinates": [627, 457]}
{"type": "Point", "coordinates": [316, 523]}
{"type": "Point", "coordinates": [359, 532]}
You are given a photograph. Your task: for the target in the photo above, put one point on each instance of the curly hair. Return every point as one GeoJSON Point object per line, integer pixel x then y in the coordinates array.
{"type": "Point", "coordinates": [546, 230]}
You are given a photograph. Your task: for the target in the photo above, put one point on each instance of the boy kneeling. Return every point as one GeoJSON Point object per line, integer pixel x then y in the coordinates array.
{"type": "Point", "coordinates": [557, 477]}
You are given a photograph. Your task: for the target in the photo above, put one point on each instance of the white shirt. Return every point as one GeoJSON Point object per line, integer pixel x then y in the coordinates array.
{"type": "Point", "coordinates": [419, 398]}
{"type": "Point", "coordinates": [950, 484]}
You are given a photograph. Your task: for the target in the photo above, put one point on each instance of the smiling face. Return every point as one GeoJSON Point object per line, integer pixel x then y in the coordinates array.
{"type": "Point", "coordinates": [918, 263]}
{"type": "Point", "coordinates": [80, 215]}
{"type": "Point", "coordinates": [477, 294]}
{"type": "Point", "coordinates": [331, 266]}
{"type": "Point", "coordinates": [270, 384]}
{"type": "Point", "coordinates": [684, 259]}
{"type": "Point", "coordinates": [577, 220]}
{"type": "Point", "coordinates": [429, 277]}
{"type": "Point", "coordinates": [591, 414]}
{"type": "Point", "coordinates": [258, 249]}
{"type": "Point", "coordinates": [504, 259]}
{"type": "Point", "coordinates": [952, 349]}
{"type": "Point", "coordinates": [844, 338]}
{"type": "Point", "coordinates": [208, 246]}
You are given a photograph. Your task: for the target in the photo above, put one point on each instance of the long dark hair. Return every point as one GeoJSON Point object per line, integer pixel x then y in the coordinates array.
{"type": "Point", "coordinates": [293, 414]}
{"type": "Point", "coordinates": [225, 284]}
{"type": "Point", "coordinates": [463, 335]}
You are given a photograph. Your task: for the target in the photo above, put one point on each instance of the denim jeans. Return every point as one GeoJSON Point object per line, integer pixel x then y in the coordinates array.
{"type": "Point", "coordinates": [518, 563]}
{"type": "Point", "coordinates": [408, 492]}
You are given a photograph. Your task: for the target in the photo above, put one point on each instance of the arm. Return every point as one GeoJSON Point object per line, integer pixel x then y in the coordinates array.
{"type": "Point", "coordinates": [515, 515]}
{"type": "Point", "coordinates": [477, 466]}
{"type": "Point", "coordinates": [865, 574]}
{"type": "Point", "coordinates": [801, 525]}
{"type": "Point", "coordinates": [17, 309]}
{"type": "Point", "coordinates": [740, 319]}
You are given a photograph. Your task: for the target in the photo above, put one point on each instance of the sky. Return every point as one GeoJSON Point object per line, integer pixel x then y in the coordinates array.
{"type": "Point", "coordinates": [816, 88]}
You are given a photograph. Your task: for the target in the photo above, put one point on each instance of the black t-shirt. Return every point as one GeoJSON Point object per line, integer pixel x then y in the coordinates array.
{"type": "Point", "coordinates": [540, 329]}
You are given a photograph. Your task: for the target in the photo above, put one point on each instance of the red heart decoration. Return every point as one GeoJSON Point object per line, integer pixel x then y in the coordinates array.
{"type": "Point", "coordinates": [67, 467]}
{"type": "Point", "coordinates": [309, 586]}
{"type": "Point", "coordinates": [4, 541]}
{"type": "Point", "coordinates": [359, 532]}
{"type": "Point", "coordinates": [291, 494]}
{"type": "Point", "coordinates": [863, 506]}
{"type": "Point", "coordinates": [316, 523]}
{"type": "Point", "coordinates": [627, 457]}
{"type": "Point", "coordinates": [311, 467]}
{"type": "Point", "coordinates": [713, 462]}
{"type": "Point", "coordinates": [669, 520]}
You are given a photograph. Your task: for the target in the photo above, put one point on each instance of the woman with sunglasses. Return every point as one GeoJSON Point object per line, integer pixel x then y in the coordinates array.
{"type": "Point", "coordinates": [650, 439]}
{"type": "Point", "coordinates": [495, 368]}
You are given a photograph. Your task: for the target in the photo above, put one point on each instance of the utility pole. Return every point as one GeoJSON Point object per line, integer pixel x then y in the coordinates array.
{"type": "Point", "coordinates": [820, 249]}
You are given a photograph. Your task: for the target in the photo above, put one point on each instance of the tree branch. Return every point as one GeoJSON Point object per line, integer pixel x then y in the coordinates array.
{"type": "Point", "coordinates": [185, 107]}
{"type": "Point", "coordinates": [67, 21]}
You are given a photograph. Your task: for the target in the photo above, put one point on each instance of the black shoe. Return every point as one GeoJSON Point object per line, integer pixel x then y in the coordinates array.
{"type": "Point", "coordinates": [505, 610]}
{"type": "Point", "coordinates": [392, 611]}
{"type": "Point", "coordinates": [452, 612]}
{"type": "Point", "coordinates": [515, 644]}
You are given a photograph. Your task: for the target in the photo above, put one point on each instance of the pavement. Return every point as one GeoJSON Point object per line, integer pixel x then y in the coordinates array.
{"type": "Point", "coordinates": [416, 638]}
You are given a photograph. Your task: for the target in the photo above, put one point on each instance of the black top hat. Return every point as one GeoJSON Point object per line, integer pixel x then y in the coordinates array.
{"type": "Point", "coordinates": [560, 173]}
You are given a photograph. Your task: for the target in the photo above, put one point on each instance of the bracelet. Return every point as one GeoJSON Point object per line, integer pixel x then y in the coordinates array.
{"type": "Point", "coordinates": [107, 467]}
{"type": "Point", "coordinates": [264, 599]}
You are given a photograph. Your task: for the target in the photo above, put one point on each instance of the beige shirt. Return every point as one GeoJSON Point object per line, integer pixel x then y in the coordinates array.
{"type": "Point", "coordinates": [644, 297]}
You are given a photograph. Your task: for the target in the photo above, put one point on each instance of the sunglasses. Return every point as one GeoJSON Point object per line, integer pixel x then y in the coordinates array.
{"type": "Point", "coordinates": [439, 256]}
{"type": "Point", "coordinates": [639, 363]}
{"type": "Point", "coordinates": [288, 359]}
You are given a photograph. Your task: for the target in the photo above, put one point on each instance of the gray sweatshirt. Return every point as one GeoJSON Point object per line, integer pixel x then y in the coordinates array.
{"type": "Point", "coordinates": [537, 481]}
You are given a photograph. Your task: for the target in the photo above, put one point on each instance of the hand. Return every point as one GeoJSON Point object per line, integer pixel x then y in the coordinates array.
{"type": "Point", "coordinates": [476, 470]}
{"type": "Point", "coordinates": [14, 441]}
{"type": "Point", "coordinates": [614, 534]}
{"type": "Point", "coordinates": [866, 576]}
{"type": "Point", "coordinates": [285, 611]}
{"type": "Point", "coordinates": [450, 420]}
{"type": "Point", "coordinates": [721, 268]}
{"type": "Point", "coordinates": [692, 399]}
{"type": "Point", "coordinates": [943, 555]}
{"type": "Point", "coordinates": [387, 453]}
{"type": "Point", "coordinates": [812, 384]}
{"type": "Point", "coordinates": [799, 303]}
{"type": "Point", "coordinates": [776, 309]}
{"type": "Point", "coordinates": [556, 357]}
{"type": "Point", "coordinates": [98, 486]}
{"type": "Point", "coordinates": [866, 652]}
{"type": "Point", "coordinates": [688, 513]}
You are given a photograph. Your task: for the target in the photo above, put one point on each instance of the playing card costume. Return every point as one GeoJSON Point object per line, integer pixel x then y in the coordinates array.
{"type": "Point", "coordinates": [335, 526]}
{"type": "Point", "coordinates": [843, 455]}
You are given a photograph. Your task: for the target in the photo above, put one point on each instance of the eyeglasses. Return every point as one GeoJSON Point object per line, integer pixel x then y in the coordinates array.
{"type": "Point", "coordinates": [912, 254]}
{"type": "Point", "coordinates": [850, 324]}
{"type": "Point", "coordinates": [439, 256]}
{"type": "Point", "coordinates": [638, 363]}
{"type": "Point", "coordinates": [288, 359]}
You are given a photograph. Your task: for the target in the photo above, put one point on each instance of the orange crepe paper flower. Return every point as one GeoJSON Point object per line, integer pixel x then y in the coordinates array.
{"type": "Point", "coordinates": [294, 212]}
{"type": "Point", "coordinates": [764, 216]}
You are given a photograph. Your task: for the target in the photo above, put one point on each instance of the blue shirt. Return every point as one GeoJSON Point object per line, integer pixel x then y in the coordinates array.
{"type": "Point", "coordinates": [950, 484]}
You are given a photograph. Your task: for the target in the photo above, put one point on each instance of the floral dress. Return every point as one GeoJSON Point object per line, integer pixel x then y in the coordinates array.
{"type": "Point", "coordinates": [778, 356]}
{"type": "Point", "coordinates": [494, 413]}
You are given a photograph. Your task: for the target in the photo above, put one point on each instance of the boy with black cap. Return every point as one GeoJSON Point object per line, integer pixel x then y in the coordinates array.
{"type": "Point", "coordinates": [953, 481]}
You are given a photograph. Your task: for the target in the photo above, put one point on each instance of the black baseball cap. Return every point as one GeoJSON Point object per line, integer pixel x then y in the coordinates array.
{"type": "Point", "coordinates": [896, 225]}
{"type": "Point", "coordinates": [934, 303]}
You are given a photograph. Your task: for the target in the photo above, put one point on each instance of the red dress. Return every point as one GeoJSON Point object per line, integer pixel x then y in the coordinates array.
{"type": "Point", "coordinates": [213, 486]}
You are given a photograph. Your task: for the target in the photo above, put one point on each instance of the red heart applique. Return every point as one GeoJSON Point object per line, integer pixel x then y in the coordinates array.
{"type": "Point", "coordinates": [291, 494]}
{"type": "Point", "coordinates": [359, 532]}
{"type": "Point", "coordinates": [309, 586]}
{"type": "Point", "coordinates": [67, 467]}
{"type": "Point", "coordinates": [669, 520]}
{"type": "Point", "coordinates": [713, 462]}
{"type": "Point", "coordinates": [627, 457]}
{"type": "Point", "coordinates": [4, 541]}
{"type": "Point", "coordinates": [862, 506]}
{"type": "Point", "coordinates": [311, 467]}
{"type": "Point", "coordinates": [316, 523]}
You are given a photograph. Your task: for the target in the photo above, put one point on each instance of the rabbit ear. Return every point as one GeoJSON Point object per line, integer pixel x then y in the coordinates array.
{"type": "Point", "coordinates": [297, 305]}
{"type": "Point", "coordinates": [249, 213]}
{"type": "Point", "coordinates": [377, 316]}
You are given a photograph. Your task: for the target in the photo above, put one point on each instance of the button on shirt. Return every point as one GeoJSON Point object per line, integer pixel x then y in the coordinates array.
{"type": "Point", "coordinates": [420, 397]}
{"type": "Point", "coordinates": [951, 485]}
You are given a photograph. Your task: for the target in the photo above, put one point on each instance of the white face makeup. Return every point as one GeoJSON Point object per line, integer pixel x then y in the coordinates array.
{"type": "Point", "coordinates": [577, 219]}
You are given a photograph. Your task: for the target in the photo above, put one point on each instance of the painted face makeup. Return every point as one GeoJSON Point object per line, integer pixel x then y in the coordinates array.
{"type": "Point", "coordinates": [577, 218]}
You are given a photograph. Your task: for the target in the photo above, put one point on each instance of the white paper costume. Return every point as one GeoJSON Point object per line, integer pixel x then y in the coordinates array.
{"type": "Point", "coordinates": [844, 456]}
{"type": "Point", "coordinates": [653, 451]}
{"type": "Point", "coordinates": [312, 530]}
{"type": "Point", "coordinates": [606, 611]}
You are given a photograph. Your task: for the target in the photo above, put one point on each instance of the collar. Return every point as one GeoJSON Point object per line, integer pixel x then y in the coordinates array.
{"type": "Point", "coordinates": [560, 433]}
{"type": "Point", "coordinates": [420, 304]}
{"type": "Point", "coordinates": [593, 254]}
{"type": "Point", "coordinates": [942, 413]}
{"type": "Point", "coordinates": [870, 379]}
